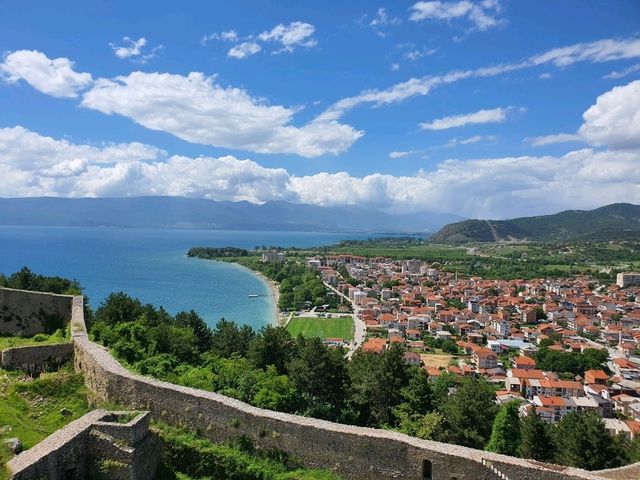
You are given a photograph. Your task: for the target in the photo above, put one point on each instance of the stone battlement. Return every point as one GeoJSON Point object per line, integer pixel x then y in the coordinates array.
{"type": "Point", "coordinates": [353, 452]}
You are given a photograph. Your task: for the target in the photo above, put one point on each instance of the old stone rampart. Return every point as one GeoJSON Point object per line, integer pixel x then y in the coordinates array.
{"type": "Point", "coordinates": [94, 446]}
{"type": "Point", "coordinates": [28, 313]}
{"type": "Point", "coordinates": [36, 359]}
{"type": "Point", "coordinates": [353, 452]}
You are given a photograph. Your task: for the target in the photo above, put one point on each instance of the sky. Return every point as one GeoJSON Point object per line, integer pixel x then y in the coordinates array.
{"type": "Point", "coordinates": [484, 109]}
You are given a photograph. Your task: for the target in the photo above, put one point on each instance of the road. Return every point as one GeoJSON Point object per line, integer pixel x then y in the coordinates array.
{"type": "Point", "coordinates": [360, 328]}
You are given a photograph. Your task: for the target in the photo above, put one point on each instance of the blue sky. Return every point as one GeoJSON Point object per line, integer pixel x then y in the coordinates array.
{"type": "Point", "coordinates": [448, 106]}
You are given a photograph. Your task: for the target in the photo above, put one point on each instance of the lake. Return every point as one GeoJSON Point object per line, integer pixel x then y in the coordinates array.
{"type": "Point", "coordinates": [152, 265]}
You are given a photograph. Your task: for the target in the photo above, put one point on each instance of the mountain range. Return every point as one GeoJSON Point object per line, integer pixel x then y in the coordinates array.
{"type": "Point", "coordinates": [180, 212]}
{"type": "Point", "coordinates": [617, 221]}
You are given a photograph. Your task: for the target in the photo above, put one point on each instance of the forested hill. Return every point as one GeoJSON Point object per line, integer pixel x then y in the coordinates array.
{"type": "Point", "coordinates": [618, 221]}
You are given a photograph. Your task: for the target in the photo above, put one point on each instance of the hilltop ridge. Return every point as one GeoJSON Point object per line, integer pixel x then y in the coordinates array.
{"type": "Point", "coordinates": [617, 221]}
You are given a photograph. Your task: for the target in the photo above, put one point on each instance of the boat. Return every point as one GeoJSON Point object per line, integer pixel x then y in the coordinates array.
{"type": "Point", "coordinates": [253, 295]}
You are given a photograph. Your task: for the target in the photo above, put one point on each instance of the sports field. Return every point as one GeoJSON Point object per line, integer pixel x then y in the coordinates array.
{"type": "Point", "coordinates": [339, 327]}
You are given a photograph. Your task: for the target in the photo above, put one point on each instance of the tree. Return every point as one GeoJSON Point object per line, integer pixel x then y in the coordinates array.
{"type": "Point", "coordinates": [118, 308]}
{"type": "Point", "coordinates": [505, 435]}
{"type": "Point", "coordinates": [583, 442]}
{"type": "Point", "coordinates": [272, 346]}
{"type": "Point", "coordinates": [470, 412]}
{"type": "Point", "coordinates": [228, 339]}
{"type": "Point", "coordinates": [377, 383]}
{"type": "Point", "coordinates": [199, 327]}
{"type": "Point", "coordinates": [319, 375]}
{"type": "Point", "coordinates": [537, 442]}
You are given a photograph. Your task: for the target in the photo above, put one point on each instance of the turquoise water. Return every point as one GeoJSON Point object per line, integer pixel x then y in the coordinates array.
{"type": "Point", "coordinates": [151, 264]}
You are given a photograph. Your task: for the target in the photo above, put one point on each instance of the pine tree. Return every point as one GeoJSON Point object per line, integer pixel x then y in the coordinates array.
{"type": "Point", "coordinates": [537, 442]}
{"type": "Point", "coordinates": [505, 435]}
{"type": "Point", "coordinates": [583, 442]}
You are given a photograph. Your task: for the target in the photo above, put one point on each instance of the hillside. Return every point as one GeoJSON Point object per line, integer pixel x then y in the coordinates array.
{"type": "Point", "coordinates": [179, 212]}
{"type": "Point", "coordinates": [618, 221]}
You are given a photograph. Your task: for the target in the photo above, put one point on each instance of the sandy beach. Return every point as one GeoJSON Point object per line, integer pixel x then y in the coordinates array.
{"type": "Point", "coordinates": [275, 293]}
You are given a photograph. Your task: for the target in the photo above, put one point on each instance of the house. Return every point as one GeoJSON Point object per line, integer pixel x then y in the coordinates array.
{"type": "Point", "coordinates": [374, 345]}
{"type": "Point", "coordinates": [412, 358]}
{"type": "Point", "coordinates": [524, 363]}
{"type": "Point", "coordinates": [597, 377]}
{"type": "Point", "coordinates": [484, 358]}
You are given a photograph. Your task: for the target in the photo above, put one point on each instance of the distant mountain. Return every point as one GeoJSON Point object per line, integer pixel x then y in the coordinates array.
{"type": "Point", "coordinates": [179, 212]}
{"type": "Point", "coordinates": [613, 222]}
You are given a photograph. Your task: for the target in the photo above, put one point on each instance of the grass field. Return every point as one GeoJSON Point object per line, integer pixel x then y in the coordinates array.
{"type": "Point", "coordinates": [39, 339]}
{"type": "Point", "coordinates": [33, 409]}
{"type": "Point", "coordinates": [338, 327]}
{"type": "Point", "coordinates": [436, 361]}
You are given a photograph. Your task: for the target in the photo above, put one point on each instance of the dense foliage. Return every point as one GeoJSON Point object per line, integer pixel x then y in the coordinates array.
{"type": "Point", "coordinates": [25, 279]}
{"type": "Point", "coordinates": [213, 252]}
{"type": "Point", "coordinates": [574, 363]}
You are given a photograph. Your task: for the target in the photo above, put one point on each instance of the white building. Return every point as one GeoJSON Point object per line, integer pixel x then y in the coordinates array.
{"type": "Point", "coordinates": [628, 279]}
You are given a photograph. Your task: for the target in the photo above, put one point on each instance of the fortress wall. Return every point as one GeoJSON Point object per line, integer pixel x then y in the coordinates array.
{"type": "Point", "coordinates": [60, 456]}
{"type": "Point", "coordinates": [27, 313]}
{"type": "Point", "coordinates": [37, 358]}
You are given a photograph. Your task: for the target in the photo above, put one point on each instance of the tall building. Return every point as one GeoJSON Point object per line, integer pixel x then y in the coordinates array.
{"type": "Point", "coordinates": [628, 279]}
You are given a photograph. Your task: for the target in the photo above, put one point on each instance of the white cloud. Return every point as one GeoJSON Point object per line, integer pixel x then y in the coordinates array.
{"type": "Point", "coordinates": [382, 19]}
{"type": "Point", "coordinates": [34, 165]}
{"type": "Point", "coordinates": [454, 142]}
{"type": "Point", "coordinates": [198, 110]}
{"type": "Point", "coordinates": [133, 50]}
{"type": "Point", "coordinates": [244, 50]}
{"type": "Point", "coordinates": [598, 51]}
{"type": "Point", "coordinates": [228, 36]}
{"type": "Point", "coordinates": [623, 73]}
{"type": "Point", "coordinates": [552, 139]}
{"type": "Point", "coordinates": [395, 67]}
{"type": "Point", "coordinates": [545, 76]}
{"type": "Point", "coordinates": [53, 77]}
{"type": "Point", "coordinates": [418, 53]}
{"type": "Point", "coordinates": [614, 120]}
{"type": "Point", "coordinates": [402, 154]}
{"type": "Point", "coordinates": [290, 36]}
{"type": "Point", "coordinates": [482, 15]}
{"type": "Point", "coordinates": [495, 115]}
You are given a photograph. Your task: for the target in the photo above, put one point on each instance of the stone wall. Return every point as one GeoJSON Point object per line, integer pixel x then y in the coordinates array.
{"type": "Point", "coordinates": [93, 447]}
{"type": "Point", "coordinates": [37, 358]}
{"type": "Point", "coordinates": [27, 313]}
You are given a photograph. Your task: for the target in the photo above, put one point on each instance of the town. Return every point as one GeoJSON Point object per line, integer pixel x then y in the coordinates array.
{"type": "Point", "coordinates": [496, 329]}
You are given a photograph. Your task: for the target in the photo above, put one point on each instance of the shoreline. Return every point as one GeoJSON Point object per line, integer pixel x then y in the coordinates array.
{"type": "Point", "coordinates": [273, 287]}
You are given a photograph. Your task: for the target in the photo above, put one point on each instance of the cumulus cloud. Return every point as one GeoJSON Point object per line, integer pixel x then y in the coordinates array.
{"type": "Point", "coordinates": [196, 109]}
{"type": "Point", "coordinates": [494, 115]}
{"type": "Point", "coordinates": [35, 165]}
{"type": "Point", "coordinates": [53, 77]}
{"type": "Point", "coordinates": [290, 36]}
{"type": "Point", "coordinates": [481, 14]}
{"type": "Point", "coordinates": [133, 50]}
{"type": "Point", "coordinates": [614, 120]}
{"type": "Point", "coordinates": [244, 50]}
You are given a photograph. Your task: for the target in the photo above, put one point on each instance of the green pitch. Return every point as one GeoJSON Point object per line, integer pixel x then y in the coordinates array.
{"type": "Point", "coordinates": [339, 327]}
